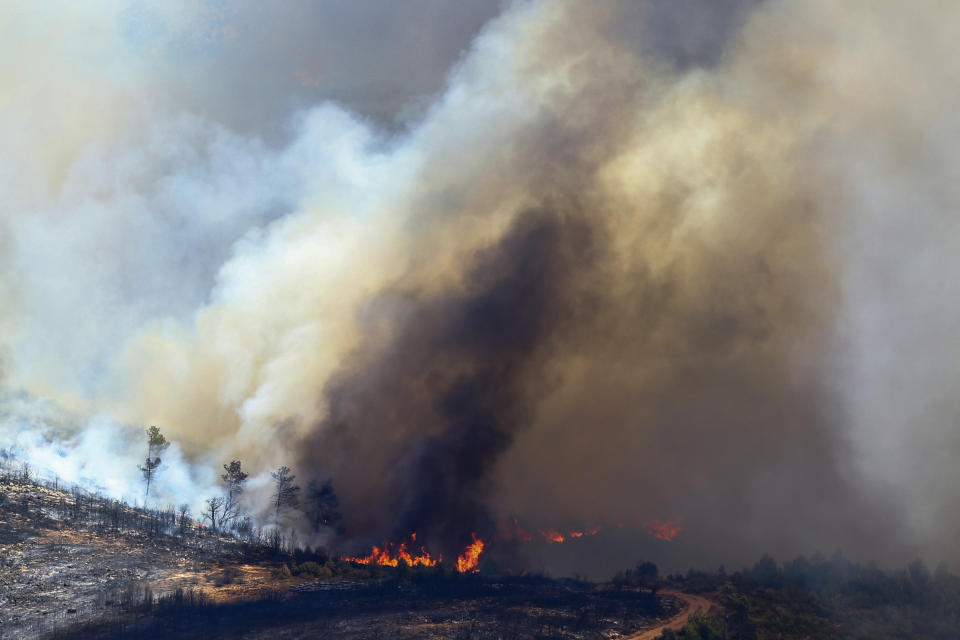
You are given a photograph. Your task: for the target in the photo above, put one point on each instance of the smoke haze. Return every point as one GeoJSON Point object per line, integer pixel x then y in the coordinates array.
{"type": "Point", "coordinates": [568, 261]}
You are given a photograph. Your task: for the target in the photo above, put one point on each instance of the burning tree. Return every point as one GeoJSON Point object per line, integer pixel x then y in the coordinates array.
{"type": "Point", "coordinates": [285, 493]}
{"type": "Point", "coordinates": [235, 479]}
{"type": "Point", "coordinates": [156, 444]}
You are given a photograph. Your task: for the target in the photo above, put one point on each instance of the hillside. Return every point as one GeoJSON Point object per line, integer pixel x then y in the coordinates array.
{"type": "Point", "coordinates": [78, 565]}
{"type": "Point", "coordinates": [70, 556]}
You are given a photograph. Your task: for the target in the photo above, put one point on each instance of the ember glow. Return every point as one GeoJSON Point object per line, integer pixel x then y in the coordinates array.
{"type": "Point", "coordinates": [664, 530]}
{"type": "Point", "coordinates": [513, 531]}
{"type": "Point", "coordinates": [552, 536]}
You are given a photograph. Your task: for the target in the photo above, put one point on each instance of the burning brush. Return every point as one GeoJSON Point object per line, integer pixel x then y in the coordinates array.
{"type": "Point", "coordinates": [390, 554]}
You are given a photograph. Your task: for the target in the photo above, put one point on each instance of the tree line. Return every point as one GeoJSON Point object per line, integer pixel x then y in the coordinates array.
{"type": "Point", "coordinates": [224, 512]}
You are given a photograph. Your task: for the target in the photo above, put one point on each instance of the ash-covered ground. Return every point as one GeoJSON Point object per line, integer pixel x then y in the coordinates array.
{"type": "Point", "coordinates": [70, 557]}
{"type": "Point", "coordinates": [78, 565]}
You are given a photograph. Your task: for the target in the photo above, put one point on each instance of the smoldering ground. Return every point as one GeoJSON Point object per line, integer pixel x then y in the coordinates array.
{"type": "Point", "coordinates": [628, 263]}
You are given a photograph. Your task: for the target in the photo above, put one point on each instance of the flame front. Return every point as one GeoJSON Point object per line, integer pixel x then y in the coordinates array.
{"type": "Point", "coordinates": [470, 558]}
{"type": "Point", "coordinates": [390, 555]}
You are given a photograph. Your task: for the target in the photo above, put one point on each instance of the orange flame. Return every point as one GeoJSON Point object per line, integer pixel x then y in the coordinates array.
{"type": "Point", "coordinates": [513, 531]}
{"type": "Point", "coordinates": [552, 535]}
{"type": "Point", "coordinates": [470, 558]}
{"type": "Point", "coordinates": [663, 530]}
{"type": "Point", "coordinates": [391, 555]}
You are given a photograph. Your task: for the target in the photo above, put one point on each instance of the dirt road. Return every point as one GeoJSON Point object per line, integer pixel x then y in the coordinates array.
{"type": "Point", "coordinates": [692, 604]}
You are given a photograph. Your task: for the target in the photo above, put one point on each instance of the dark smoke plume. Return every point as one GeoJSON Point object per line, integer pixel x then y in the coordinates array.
{"type": "Point", "coordinates": [418, 421]}
{"type": "Point", "coordinates": [623, 260]}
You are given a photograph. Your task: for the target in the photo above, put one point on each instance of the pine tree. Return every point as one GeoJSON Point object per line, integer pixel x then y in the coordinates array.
{"type": "Point", "coordinates": [323, 503]}
{"type": "Point", "coordinates": [156, 444]}
{"type": "Point", "coordinates": [285, 493]}
{"type": "Point", "coordinates": [235, 479]}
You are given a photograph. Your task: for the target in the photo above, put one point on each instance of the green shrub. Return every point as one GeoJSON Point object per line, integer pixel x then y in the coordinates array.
{"type": "Point", "coordinates": [312, 569]}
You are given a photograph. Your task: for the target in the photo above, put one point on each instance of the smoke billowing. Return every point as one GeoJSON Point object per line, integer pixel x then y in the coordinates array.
{"type": "Point", "coordinates": [434, 406]}
{"type": "Point", "coordinates": [613, 262]}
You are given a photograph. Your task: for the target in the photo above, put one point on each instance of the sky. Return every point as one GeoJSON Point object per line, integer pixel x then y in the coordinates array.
{"type": "Point", "coordinates": [565, 261]}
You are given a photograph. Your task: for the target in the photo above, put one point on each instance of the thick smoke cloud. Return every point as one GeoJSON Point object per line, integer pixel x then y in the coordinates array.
{"type": "Point", "coordinates": [682, 33]}
{"type": "Point", "coordinates": [441, 401]}
{"type": "Point", "coordinates": [631, 260]}
{"type": "Point", "coordinates": [249, 66]}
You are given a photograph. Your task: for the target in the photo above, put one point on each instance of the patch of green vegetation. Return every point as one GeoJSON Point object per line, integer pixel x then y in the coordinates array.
{"type": "Point", "coordinates": [818, 598]}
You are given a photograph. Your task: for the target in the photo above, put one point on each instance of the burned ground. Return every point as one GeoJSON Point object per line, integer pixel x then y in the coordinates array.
{"type": "Point", "coordinates": [69, 557]}
{"type": "Point", "coordinates": [468, 608]}
{"type": "Point", "coordinates": [77, 565]}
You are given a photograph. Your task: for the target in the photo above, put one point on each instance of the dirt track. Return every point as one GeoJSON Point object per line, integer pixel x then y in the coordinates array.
{"type": "Point", "coordinates": [692, 604]}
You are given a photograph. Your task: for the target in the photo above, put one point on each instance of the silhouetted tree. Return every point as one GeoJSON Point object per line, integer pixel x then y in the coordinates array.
{"type": "Point", "coordinates": [234, 478]}
{"type": "Point", "coordinates": [322, 504]}
{"type": "Point", "coordinates": [285, 491]}
{"type": "Point", "coordinates": [766, 573]}
{"type": "Point", "coordinates": [184, 516]}
{"type": "Point", "coordinates": [156, 444]}
{"type": "Point", "coordinates": [214, 512]}
{"type": "Point", "coordinates": [646, 574]}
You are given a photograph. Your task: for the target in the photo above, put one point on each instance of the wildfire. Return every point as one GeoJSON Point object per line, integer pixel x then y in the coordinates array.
{"type": "Point", "coordinates": [664, 530]}
{"type": "Point", "coordinates": [661, 529]}
{"type": "Point", "coordinates": [390, 555]}
{"type": "Point", "coordinates": [552, 536]}
{"type": "Point", "coordinates": [470, 558]}
{"type": "Point", "coordinates": [514, 531]}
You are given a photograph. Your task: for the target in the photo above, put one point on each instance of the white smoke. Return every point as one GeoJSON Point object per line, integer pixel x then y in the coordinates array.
{"type": "Point", "coordinates": [169, 257]}
{"type": "Point", "coordinates": [96, 454]}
